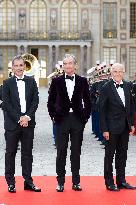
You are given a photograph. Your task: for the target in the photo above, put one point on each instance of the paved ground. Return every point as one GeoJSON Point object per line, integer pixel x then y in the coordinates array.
{"type": "Point", "coordinates": [45, 154]}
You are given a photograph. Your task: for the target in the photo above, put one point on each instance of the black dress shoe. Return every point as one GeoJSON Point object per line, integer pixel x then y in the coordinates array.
{"type": "Point", "coordinates": [95, 136]}
{"type": "Point", "coordinates": [76, 187]}
{"type": "Point", "coordinates": [125, 185]}
{"type": "Point", "coordinates": [102, 142]}
{"type": "Point", "coordinates": [112, 187]}
{"type": "Point", "coordinates": [31, 187]}
{"type": "Point", "coordinates": [11, 189]}
{"type": "Point", "coordinates": [60, 188]}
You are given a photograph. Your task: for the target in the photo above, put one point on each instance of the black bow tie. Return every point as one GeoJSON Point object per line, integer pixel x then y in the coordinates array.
{"type": "Point", "coordinates": [119, 85]}
{"type": "Point", "coordinates": [69, 77]}
{"type": "Point", "coordinates": [20, 79]}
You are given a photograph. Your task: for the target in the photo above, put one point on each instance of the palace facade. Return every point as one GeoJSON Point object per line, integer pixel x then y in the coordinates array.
{"type": "Point", "coordinates": [92, 30]}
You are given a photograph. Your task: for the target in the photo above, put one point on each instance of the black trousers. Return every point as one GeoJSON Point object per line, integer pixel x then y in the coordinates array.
{"type": "Point", "coordinates": [25, 135]}
{"type": "Point", "coordinates": [73, 127]}
{"type": "Point", "coordinates": [118, 145]}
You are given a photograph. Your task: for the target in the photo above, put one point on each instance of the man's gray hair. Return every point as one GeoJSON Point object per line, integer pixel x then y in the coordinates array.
{"type": "Point", "coordinates": [118, 65]}
{"type": "Point", "coordinates": [18, 57]}
{"type": "Point", "coordinates": [70, 56]}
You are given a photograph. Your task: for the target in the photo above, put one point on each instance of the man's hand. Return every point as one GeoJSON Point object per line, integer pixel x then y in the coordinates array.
{"type": "Point", "coordinates": [24, 121]}
{"type": "Point", "coordinates": [106, 135]}
{"type": "Point", "coordinates": [132, 130]}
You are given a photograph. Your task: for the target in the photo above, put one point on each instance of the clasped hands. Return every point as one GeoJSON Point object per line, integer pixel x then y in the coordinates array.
{"type": "Point", "coordinates": [24, 121]}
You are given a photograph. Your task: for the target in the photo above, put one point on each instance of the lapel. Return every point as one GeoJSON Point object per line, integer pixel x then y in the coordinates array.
{"type": "Point", "coordinates": [116, 93]}
{"type": "Point", "coordinates": [63, 86]}
{"type": "Point", "coordinates": [14, 88]}
{"type": "Point", "coordinates": [126, 93]}
{"type": "Point", "coordinates": [76, 88]}
{"type": "Point", "coordinates": [27, 87]}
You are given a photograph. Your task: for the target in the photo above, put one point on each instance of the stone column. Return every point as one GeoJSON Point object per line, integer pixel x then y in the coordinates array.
{"type": "Point", "coordinates": [81, 66]}
{"type": "Point", "coordinates": [49, 65]}
{"type": "Point", "coordinates": [53, 57]}
{"type": "Point", "coordinates": [123, 56]}
{"type": "Point", "coordinates": [85, 59]}
{"type": "Point", "coordinates": [89, 60]}
{"type": "Point", "coordinates": [57, 53]}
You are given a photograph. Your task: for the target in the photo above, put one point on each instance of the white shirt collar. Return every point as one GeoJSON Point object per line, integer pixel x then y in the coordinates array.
{"type": "Point", "coordinates": [121, 82]}
{"type": "Point", "coordinates": [19, 77]}
{"type": "Point", "coordinates": [71, 75]}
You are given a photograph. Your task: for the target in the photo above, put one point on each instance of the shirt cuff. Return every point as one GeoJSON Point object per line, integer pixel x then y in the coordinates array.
{"type": "Point", "coordinates": [28, 117]}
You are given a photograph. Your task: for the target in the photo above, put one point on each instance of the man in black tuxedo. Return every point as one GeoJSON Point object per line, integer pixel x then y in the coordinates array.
{"type": "Point", "coordinates": [20, 102]}
{"type": "Point", "coordinates": [69, 107]}
{"type": "Point", "coordinates": [117, 122]}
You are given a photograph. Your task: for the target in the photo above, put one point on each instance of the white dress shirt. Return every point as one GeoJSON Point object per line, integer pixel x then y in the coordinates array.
{"type": "Point", "coordinates": [70, 84]}
{"type": "Point", "coordinates": [21, 91]}
{"type": "Point", "coordinates": [120, 92]}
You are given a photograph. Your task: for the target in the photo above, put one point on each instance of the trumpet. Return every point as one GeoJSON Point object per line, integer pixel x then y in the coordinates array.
{"type": "Point", "coordinates": [31, 63]}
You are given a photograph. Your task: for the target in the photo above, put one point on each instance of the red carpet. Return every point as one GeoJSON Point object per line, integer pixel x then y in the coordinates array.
{"type": "Point", "coordinates": [94, 193]}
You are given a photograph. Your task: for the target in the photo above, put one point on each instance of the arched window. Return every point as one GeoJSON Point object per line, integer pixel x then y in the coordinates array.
{"type": "Point", "coordinates": [110, 19]}
{"type": "Point", "coordinates": [132, 61]}
{"type": "Point", "coordinates": [38, 18]}
{"type": "Point", "coordinates": [132, 19]}
{"type": "Point", "coordinates": [7, 16]}
{"type": "Point", "coordinates": [69, 16]}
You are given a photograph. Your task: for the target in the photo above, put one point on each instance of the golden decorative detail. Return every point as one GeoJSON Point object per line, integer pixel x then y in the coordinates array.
{"type": "Point", "coordinates": [29, 60]}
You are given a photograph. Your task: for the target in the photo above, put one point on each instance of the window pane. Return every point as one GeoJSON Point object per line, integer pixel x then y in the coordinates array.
{"type": "Point", "coordinates": [38, 16]}
{"type": "Point", "coordinates": [7, 16]}
{"type": "Point", "coordinates": [69, 16]}
{"type": "Point", "coordinates": [1, 59]}
{"type": "Point", "coordinates": [6, 53]}
{"type": "Point", "coordinates": [110, 20]}
{"type": "Point", "coordinates": [133, 20]}
{"type": "Point", "coordinates": [109, 54]}
{"type": "Point", "coordinates": [132, 61]}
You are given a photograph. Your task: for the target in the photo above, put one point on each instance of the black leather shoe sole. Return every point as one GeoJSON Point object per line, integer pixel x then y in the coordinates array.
{"type": "Point", "coordinates": [127, 187]}
{"type": "Point", "coordinates": [112, 188]}
{"type": "Point", "coordinates": [76, 188]}
{"type": "Point", "coordinates": [35, 190]}
{"type": "Point", "coordinates": [60, 188]}
{"type": "Point", "coordinates": [32, 187]}
{"type": "Point", "coordinates": [11, 189]}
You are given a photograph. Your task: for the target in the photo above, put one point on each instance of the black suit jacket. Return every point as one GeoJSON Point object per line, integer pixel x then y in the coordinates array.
{"type": "Point", "coordinates": [114, 116]}
{"type": "Point", "coordinates": [59, 103]}
{"type": "Point", "coordinates": [95, 92]}
{"type": "Point", "coordinates": [11, 102]}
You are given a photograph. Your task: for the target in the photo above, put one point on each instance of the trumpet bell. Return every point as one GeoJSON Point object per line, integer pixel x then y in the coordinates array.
{"type": "Point", "coordinates": [27, 66]}
{"type": "Point", "coordinates": [29, 61]}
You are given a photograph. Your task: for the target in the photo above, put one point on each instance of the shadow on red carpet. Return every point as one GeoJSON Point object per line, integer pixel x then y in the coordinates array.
{"type": "Point", "coordinates": [94, 193]}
